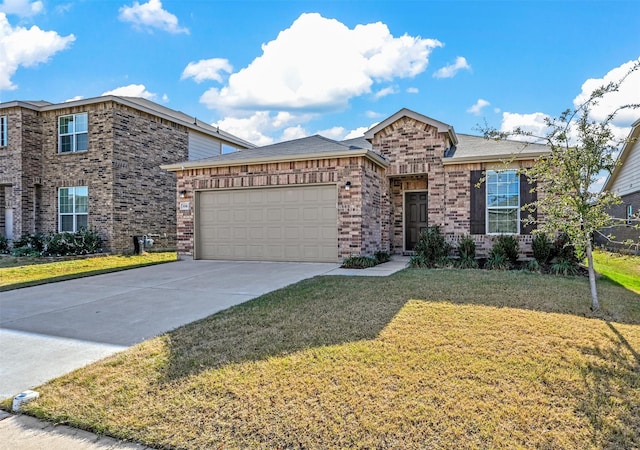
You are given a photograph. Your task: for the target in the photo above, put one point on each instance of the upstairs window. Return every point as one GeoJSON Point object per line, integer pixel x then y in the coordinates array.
{"type": "Point", "coordinates": [73, 208]}
{"type": "Point", "coordinates": [73, 133]}
{"type": "Point", "coordinates": [503, 202]}
{"type": "Point", "coordinates": [4, 139]}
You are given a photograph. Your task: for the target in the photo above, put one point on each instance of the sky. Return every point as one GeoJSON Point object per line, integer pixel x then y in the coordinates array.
{"type": "Point", "coordinates": [269, 71]}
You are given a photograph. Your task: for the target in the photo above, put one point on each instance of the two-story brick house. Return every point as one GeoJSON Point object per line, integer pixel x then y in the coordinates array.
{"type": "Point", "coordinates": [316, 199]}
{"type": "Point", "coordinates": [95, 163]}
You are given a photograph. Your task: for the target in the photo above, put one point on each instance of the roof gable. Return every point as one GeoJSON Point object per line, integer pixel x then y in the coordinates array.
{"type": "Point", "coordinates": [405, 112]}
{"type": "Point", "coordinates": [625, 178]}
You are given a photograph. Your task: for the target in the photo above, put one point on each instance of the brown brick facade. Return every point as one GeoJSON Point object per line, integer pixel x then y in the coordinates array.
{"type": "Point", "coordinates": [128, 192]}
{"type": "Point", "coordinates": [360, 223]}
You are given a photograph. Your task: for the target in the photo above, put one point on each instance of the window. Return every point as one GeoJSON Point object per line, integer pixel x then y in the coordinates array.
{"type": "Point", "coordinates": [72, 133]}
{"type": "Point", "coordinates": [4, 140]}
{"type": "Point", "coordinates": [503, 202]}
{"type": "Point", "coordinates": [73, 208]}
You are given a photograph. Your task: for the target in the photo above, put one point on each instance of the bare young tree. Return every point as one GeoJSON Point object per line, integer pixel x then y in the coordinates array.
{"type": "Point", "coordinates": [580, 149]}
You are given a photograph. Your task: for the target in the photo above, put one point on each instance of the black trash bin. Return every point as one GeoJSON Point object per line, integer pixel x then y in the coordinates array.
{"type": "Point", "coordinates": [137, 248]}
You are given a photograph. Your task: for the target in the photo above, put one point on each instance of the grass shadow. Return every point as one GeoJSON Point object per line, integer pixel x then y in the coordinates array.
{"type": "Point", "coordinates": [610, 398]}
{"type": "Point", "coordinates": [332, 310]}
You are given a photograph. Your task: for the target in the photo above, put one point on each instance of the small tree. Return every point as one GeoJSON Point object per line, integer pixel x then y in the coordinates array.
{"type": "Point", "coordinates": [580, 149]}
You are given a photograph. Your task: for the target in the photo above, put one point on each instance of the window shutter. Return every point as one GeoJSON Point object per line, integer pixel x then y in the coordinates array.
{"type": "Point", "coordinates": [478, 203]}
{"type": "Point", "coordinates": [527, 197]}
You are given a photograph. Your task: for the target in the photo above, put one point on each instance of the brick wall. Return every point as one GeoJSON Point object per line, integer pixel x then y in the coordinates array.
{"type": "Point", "coordinates": [128, 192]}
{"type": "Point", "coordinates": [21, 169]}
{"type": "Point", "coordinates": [359, 226]}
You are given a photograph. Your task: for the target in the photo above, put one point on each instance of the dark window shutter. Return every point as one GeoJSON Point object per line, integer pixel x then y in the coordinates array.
{"type": "Point", "coordinates": [527, 197]}
{"type": "Point", "coordinates": [478, 203]}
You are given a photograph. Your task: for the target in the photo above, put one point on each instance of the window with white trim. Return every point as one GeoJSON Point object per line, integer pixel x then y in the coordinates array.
{"type": "Point", "coordinates": [73, 208]}
{"type": "Point", "coordinates": [503, 202]}
{"type": "Point", "coordinates": [73, 133]}
{"type": "Point", "coordinates": [4, 138]}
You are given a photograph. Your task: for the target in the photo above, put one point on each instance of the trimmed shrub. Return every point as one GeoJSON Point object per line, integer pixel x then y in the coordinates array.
{"type": "Point", "coordinates": [359, 262]}
{"type": "Point", "coordinates": [83, 242]}
{"type": "Point", "coordinates": [431, 250]}
{"type": "Point", "coordinates": [498, 261]}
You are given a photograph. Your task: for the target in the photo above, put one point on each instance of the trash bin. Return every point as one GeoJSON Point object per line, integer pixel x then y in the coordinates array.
{"type": "Point", "coordinates": [137, 249]}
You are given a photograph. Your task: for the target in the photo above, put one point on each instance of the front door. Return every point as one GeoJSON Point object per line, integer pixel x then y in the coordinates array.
{"type": "Point", "coordinates": [415, 217]}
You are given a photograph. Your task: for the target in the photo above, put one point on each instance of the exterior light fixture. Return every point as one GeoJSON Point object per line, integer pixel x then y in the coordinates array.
{"type": "Point", "coordinates": [183, 194]}
{"type": "Point", "coordinates": [347, 186]}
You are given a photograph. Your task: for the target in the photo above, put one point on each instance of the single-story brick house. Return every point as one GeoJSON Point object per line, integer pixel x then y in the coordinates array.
{"type": "Point", "coordinates": [625, 181]}
{"type": "Point", "coordinates": [95, 163]}
{"type": "Point", "coordinates": [316, 199]}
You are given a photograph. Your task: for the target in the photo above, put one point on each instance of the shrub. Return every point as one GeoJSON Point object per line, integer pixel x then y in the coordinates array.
{"type": "Point", "coordinates": [533, 266]}
{"type": "Point", "coordinates": [431, 250]}
{"type": "Point", "coordinates": [507, 247]}
{"type": "Point", "coordinates": [497, 261]}
{"type": "Point", "coordinates": [359, 262]}
{"type": "Point", "coordinates": [82, 242]}
{"type": "Point", "coordinates": [467, 254]}
{"type": "Point", "coordinates": [542, 249]}
{"type": "Point", "coordinates": [564, 258]}
{"type": "Point", "coordinates": [32, 243]}
{"type": "Point", "coordinates": [382, 257]}
{"type": "Point", "coordinates": [4, 245]}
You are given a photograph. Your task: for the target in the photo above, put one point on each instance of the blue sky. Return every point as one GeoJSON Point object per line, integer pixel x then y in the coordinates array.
{"type": "Point", "coordinates": [274, 70]}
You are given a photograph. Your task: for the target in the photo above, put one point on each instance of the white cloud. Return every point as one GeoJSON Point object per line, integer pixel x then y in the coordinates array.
{"type": "Point", "coordinates": [413, 90]}
{"type": "Point", "coordinates": [151, 15]}
{"type": "Point", "coordinates": [452, 69]}
{"type": "Point", "coordinates": [373, 114]}
{"type": "Point", "coordinates": [385, 91]}
{"type": "Point", "coordinates": [259, 127]}
{"type": "Point", "coordinates": [291, 133]}
{"type": "Point", "coordinates": [629, 92]}
{"type": "Point", "coordinates": [476, 109]}
{"type": "Point", "coordinates": [620, 127]}
{"type": "Point", "coordinates": [26, 47]}
{"type": "Point", "coordinates": [132, 90]}
{"type": "Point", "coordinates": [207, 69]}
{"type": "Point", "coordinates": [530, 123]}
{"type": "Point", "coordinates": [22, 8]}
{"type": "Point", "coordinates": [165, 98]}
{"type": "Point", "coordinates": [335, 133]}
{"type": "Point", "coordinates": [358, 132]}
{"type": "Point", "coordinates": [73, 99]}
{"type": "Point", "coordinates": [319, 64]}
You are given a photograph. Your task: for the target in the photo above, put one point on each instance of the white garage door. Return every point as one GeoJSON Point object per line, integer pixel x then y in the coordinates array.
{"type": "Point", "coordinates": [268, 224]}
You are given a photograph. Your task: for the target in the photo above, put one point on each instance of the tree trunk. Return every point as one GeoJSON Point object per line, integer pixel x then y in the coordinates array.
{"type": "Point", "coordinates": [595, 305]}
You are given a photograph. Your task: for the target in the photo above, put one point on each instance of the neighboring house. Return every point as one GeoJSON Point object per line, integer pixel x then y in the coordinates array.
{"type": "Point", "coordinates": [315, 199]}
{"type": "Point", "coordinates": [625, 181]}
{"type": "Point", "coordinates": [95, 163]}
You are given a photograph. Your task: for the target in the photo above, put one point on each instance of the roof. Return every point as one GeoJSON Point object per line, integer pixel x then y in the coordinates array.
{"type": "Point", "coordinates": [404, 112]}
{"type": "Point", "coordinates": [480, 149]}
{"type": "Point", "coordinates": [140, 104]}
{"type": "Point", "coordinates": [307, 148]}
{"type": "Point", "coordinates": [633, 138]}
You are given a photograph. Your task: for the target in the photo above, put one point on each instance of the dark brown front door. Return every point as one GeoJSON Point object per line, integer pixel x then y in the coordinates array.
{"type": "Point", "coordinates": [415, 217]}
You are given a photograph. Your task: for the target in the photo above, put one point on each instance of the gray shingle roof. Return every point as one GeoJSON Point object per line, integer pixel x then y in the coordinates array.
{"type": "Point", "coordinates": [310, 145]}
{"type": "Point", "coordinates": [478, 148]}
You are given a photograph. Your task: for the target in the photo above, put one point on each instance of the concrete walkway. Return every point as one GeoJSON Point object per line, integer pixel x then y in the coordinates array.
{"type": "Point", "coordinates": [47, 331]}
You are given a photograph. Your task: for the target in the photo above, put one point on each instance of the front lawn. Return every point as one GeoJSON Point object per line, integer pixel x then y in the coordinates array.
{"type": "Point", "coordinates": [421, 359]}
{"type": "Point", "coordinates": [30, 271]}
{"type": "Point", "coordinates": [622, 269]}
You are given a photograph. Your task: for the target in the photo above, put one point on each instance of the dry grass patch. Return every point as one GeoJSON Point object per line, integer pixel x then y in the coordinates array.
{"type": "Point", "coordinates": [350, 362]}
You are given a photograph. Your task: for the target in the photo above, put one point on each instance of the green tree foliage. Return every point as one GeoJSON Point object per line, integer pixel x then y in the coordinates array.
{"type": "Point", "coordinates": [581, 148]}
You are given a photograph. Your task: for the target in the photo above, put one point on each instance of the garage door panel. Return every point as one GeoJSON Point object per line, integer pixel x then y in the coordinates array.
{"type": "Point", "coordinates": [278, 224]}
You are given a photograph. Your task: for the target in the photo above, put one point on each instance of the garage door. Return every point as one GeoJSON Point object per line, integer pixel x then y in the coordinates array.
{"type": "Point", "coordinates": [268, 224]}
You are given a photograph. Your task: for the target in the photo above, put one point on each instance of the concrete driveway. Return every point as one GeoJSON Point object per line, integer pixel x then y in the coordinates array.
{"type": "Point", "coordinates": [49, 330]}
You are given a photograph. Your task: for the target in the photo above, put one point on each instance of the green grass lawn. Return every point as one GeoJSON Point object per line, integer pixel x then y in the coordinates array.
{"type": "Point", "coordinates": [421, 359]}
{"type": "Point", "coordinates": [622, 269]}
{"type": "Point", "coordinates": [28, 271]}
